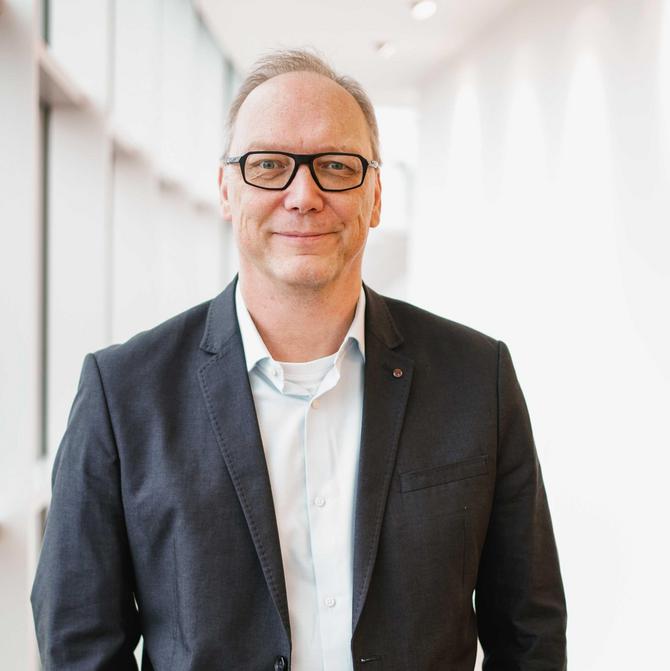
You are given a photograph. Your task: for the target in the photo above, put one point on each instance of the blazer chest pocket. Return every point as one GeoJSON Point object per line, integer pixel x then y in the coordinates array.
{"type": "Point", "coordinates": [441, 475]}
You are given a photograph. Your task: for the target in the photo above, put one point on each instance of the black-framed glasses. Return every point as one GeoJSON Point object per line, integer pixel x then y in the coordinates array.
{"type": "Point", "coordinates": [275, 170]}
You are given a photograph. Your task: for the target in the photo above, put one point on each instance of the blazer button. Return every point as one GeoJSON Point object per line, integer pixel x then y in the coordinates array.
{"type": "Point", "coordinates": [280, 663]}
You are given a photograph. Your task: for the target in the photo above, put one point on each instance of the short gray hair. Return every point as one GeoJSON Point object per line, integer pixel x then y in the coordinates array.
{"type": "Point", "coordinates": [300, 60]}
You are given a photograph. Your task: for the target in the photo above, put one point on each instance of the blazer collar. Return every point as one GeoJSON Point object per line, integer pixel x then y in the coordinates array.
{"type": "Point", "coordinates": [221, 324]}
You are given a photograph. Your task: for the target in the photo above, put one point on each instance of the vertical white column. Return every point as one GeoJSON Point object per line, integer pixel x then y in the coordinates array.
{"type": "Point", "coordinates": [77, 200]}
{"type": "Point", "coordinates": [20, 278]}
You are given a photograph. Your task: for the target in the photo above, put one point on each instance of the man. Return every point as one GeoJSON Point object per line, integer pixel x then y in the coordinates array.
{"type": "Point", "coordinates": [300, 473]}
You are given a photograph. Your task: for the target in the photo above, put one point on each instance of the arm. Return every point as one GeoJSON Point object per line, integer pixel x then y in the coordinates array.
{"type": "Point", "coordinates": [83, 603]}
{"type": "Point", "coordinates": [519, 598]}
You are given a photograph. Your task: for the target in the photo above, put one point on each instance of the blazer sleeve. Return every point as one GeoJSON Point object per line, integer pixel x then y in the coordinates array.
{"type": "Point", "coordinates": [82, 597]}
{"type": "Point", "coordinates": [519, 599]}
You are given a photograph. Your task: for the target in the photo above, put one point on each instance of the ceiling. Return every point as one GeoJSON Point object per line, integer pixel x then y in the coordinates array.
{"type": "Point", "coordinates": [346, 32]}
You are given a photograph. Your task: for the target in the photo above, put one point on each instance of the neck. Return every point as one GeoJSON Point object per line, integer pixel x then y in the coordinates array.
{"type": "Point", "coordinates": [301, 323]}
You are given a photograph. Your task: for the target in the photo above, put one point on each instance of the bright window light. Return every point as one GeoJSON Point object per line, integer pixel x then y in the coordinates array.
{"type": "Point", "coordinates": [423, 9]}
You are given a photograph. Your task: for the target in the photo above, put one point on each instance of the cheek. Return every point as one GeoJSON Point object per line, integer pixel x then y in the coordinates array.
{"type": "Point", "coordinates": [253, 208]}
{"type": "Point", "coordinates": [361, 213]}
{"type": "Point", "coordinates": [356, 207]}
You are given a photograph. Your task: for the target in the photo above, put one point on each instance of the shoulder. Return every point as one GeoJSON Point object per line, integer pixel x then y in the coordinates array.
{"type": "Point", "coordinates": [450, 361]}
{"type": "Point", "coordinates": [445, 347]}
{"type": "Point", "coordinates": [163, 348]}
{"type": "Point", "coordinates": [419, 329]}
{"type": "Point", "coordinates": [414, 321]}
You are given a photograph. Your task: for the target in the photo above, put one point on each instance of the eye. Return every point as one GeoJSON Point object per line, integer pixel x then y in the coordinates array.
{"type": "Point", "coordinates": [269, 164]}
{"type": "Point", "coordinates": [333, 165]}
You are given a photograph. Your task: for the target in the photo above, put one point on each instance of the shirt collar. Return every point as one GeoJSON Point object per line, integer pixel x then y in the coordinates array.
{"type": "Point", "coordinates": [255, 349]}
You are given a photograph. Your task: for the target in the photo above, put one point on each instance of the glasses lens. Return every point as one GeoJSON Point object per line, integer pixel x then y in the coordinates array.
{"type": "Point", "coordinates": [268, 170]}
{"type": "Point", "coordinates": [339, 172]}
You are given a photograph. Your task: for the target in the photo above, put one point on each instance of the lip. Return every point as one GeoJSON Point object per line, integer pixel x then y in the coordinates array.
{"type": "Point", "coordinates": [302, 235]}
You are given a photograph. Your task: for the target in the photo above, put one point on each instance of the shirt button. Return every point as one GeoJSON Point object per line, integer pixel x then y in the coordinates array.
{"type": "Point", "coordinates": [320, 501]}
{"type": "Point", "coordinates": [330, 602]}
{"type": "Point", "coordinates": [274, 372]}
{"type": "Point", "coordinates": [316, 404]}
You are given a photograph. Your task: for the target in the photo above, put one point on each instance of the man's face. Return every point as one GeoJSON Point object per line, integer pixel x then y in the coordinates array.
{"type": "Point", "coordinates": [302, 236]}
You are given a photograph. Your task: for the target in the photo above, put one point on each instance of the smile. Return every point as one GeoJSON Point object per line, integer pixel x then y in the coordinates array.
{"type": "Point", "coordinates": [300, 236]}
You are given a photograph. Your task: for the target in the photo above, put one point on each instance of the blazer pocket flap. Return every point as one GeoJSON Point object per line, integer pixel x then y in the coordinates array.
{"type": "Point", "coordinates": [441, 475]}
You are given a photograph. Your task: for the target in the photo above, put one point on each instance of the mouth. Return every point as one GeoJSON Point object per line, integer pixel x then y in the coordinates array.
{"type": "Point", "coordinates": [303, 236]}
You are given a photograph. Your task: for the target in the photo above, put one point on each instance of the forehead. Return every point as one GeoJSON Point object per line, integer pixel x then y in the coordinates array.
{"type": "Point", "coordinates": [303, 112]}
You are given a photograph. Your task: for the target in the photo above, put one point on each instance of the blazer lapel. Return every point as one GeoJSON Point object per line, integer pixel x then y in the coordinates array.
{"type": "Point", "coordinates": [388, 376]}
{"type": "Point", "coordinates": [225, 385]}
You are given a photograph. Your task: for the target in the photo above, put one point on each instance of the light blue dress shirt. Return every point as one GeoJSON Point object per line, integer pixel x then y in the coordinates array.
{"type": "Point", "coordinates": [310, 415]}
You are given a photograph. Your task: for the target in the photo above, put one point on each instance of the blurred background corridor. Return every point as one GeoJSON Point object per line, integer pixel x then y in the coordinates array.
{"type": "Point", "coordinates": [526, 193]}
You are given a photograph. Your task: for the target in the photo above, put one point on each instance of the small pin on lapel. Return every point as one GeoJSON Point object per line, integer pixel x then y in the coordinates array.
{"type": "Point", "coordinates": [397, 372]}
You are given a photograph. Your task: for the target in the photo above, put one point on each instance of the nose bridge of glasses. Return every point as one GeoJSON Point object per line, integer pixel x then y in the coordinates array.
{"type": "Point", "coordinates": [306, 165]}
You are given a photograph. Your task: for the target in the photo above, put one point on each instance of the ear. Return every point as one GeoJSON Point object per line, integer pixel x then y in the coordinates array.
{"type": "Point", "coordinates": [377, 203]}
{"type": "Point", "coordinates": [224, 201]}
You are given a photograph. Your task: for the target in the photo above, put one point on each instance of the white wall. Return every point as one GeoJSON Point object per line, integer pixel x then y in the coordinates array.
{"type": "Point", "coordinates": [543, 202]}
{"type": "Point", "coordinates": [385, 260]}
{"type": "Point", "coordinates": [122, 232]}
{"type": "Point", "coordinates": [19, 331]}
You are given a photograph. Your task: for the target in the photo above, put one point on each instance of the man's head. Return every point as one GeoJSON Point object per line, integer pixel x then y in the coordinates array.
{"type": "Point", "coordinates": [302, 235]}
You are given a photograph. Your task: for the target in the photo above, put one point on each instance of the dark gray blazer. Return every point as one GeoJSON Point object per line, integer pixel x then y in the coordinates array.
{"type": "Point", "coordinates": [162, 522]}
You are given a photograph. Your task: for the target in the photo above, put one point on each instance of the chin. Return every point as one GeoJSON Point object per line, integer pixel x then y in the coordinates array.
{"type": "Point", "coordinates": [308, 275]}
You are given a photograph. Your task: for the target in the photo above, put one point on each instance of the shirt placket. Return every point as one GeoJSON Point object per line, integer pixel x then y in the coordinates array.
{"type": "Point", "coordinates": [325, 519]}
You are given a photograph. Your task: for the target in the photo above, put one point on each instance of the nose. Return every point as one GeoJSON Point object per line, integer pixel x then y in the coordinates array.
{"type": "Point", "coordinates": [303, 194]}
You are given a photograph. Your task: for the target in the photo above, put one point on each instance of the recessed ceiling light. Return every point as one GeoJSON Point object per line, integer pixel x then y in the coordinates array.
{"type": "Point", "coordinates": [385, 49]}
{"type": "Point", "coordinates": [423, 9]}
